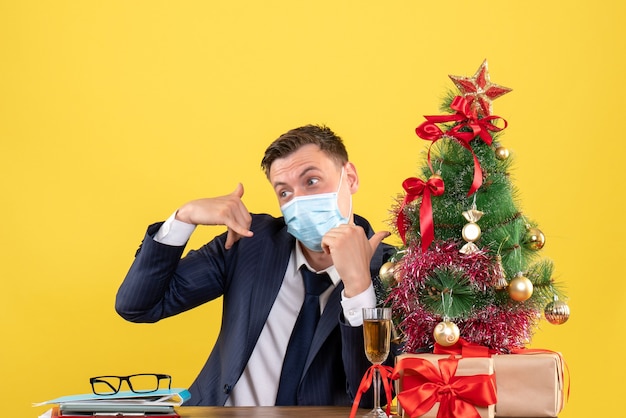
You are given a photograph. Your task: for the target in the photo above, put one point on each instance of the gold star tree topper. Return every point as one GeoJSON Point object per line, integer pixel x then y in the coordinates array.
{"type": "Point", "coordinates": [479, 90]}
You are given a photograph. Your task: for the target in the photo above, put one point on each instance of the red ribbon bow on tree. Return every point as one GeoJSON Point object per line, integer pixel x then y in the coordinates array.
{"type": "Point", "coordinates": [458, 396]}
{"type": "Point", "coordinates": [414, 188]}
{"type": "Point", "coordinates": [465, 118]}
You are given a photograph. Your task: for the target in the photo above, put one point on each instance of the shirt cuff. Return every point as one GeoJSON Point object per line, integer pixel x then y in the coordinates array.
{"type": "Point", "coordinates": [174, 232]}
{"type": "Point", "coordinates": [353, 307]}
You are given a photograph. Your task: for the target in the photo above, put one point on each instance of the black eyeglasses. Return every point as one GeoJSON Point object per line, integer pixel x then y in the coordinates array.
{"type": "Point", "coordinates": [137, 383]}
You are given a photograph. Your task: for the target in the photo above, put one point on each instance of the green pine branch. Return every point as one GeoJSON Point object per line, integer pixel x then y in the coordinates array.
{"type": "Point", "coordinates": [448, 292]}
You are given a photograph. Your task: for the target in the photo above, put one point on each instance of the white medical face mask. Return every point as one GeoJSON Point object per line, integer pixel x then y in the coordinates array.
{"type": "Point", "coordinates": [309, 218]}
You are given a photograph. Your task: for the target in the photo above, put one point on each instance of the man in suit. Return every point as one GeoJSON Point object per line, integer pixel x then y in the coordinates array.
{"type": "Point", "coordinates": [257, 267]}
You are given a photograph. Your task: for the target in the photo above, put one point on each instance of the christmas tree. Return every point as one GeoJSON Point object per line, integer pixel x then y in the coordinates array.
{"type": "Point", "coordinates": [470, 266]}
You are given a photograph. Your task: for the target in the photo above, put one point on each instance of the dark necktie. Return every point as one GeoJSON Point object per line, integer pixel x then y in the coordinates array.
{"type": "Point", "coordinates": [301, 337]}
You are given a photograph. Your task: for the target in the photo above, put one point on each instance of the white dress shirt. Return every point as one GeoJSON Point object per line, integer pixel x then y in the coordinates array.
{"type": "Point", "coordinates": [258, 385]}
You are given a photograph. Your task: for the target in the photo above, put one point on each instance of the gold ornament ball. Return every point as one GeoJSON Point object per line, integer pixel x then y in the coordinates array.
{"type": "Point", "coordinates": [502, 153]}
{"type": "Point", "coordinates": [556, 312]}
{"type": "Point", "coordinates": [535, 240]}
{"type": "Point", "coordinates": [520, 288]}
{"type": "Point", "coordinates": [387, 271]}
{"type": "Point", "coordinates": [446, 333]}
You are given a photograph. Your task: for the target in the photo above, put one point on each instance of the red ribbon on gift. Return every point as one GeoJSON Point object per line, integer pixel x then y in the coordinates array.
{"type": "Point", "coordinates": [458, 396]}
{"type": "Point", "coordinates": [465, 118]}
{"type": "Point", "coordinates": [465, 349]}
{"type": "Point", "coordinates": [468, 349]}
{"type": "Point", "coordinates": [414, 188]}
{"type": "Point", "coordinates": [385, 376]}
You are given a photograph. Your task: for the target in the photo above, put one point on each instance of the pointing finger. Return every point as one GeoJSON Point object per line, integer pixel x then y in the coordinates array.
{"type": "Point", "coordinates": [377, 238]}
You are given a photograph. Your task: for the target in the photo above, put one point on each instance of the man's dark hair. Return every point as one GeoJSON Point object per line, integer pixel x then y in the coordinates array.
{"type": "Point", "coordinates": [291, 141]}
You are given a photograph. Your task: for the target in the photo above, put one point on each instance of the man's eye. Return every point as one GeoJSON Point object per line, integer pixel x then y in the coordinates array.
{"type": "Point", "coordinates": [284, 194]}
{"type": "Point", "coordinates": [313, 181]}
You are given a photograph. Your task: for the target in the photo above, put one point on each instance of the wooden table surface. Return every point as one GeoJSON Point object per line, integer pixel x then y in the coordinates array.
{"type": "Point", "coordinates": [267, 411]}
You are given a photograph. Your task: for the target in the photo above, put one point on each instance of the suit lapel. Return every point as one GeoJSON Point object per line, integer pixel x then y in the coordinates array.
{"type": "Point", "coordinates": [268, 276]}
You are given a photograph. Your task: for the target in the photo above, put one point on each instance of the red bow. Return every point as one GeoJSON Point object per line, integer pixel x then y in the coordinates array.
{"type": "Point", "coordinates": [414, 188]}
{"type": "Point", "coordinates": [366, 382]}
{"type": "Point", "coordinates": [465, 349]}
{"type": "Point", "coordinates": [458, 396]}
{"type": "Point", "coordinates": [465, 118]}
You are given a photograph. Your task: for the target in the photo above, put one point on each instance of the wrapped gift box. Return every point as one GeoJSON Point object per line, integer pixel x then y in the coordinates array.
{"type": "Point", "coordinates": [529, 385]}
{"type": "Point", "coordinates": [477, 369]}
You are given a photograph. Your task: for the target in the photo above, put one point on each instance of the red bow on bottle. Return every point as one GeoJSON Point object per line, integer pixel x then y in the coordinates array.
{"type": "Point", "coordinates": [458, 396]}
{"type": "Point", "coordinates": [414, 188]}
{"type": "Point", "coordinates": [366, 382]}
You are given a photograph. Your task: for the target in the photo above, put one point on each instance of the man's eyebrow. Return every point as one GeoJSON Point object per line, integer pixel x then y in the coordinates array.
{"type": "Point", "coordinates": [278, 184]}
{"type": "Point", "coordinates": [302, 174]}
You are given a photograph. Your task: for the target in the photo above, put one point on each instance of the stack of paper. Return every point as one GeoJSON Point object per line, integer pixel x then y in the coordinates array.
{"type": "Point", "coordinates": [159, 404]}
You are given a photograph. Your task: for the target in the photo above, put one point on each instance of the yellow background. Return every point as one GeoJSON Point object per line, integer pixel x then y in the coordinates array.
{"type": "Point", "coordinates": [113, 113]}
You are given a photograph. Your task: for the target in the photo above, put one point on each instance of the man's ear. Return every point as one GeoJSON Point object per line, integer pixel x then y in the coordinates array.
{"type": "Point", "coordinates": [352, 177]}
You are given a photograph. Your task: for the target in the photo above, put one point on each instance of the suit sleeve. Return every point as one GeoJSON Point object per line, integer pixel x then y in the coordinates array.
{"type": "Point", "coordinates": [160, 284]}
{"type": "Point", "coordinates": [354, 360]}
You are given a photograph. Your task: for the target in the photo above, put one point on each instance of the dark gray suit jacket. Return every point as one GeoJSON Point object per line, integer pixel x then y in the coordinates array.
{"type": "Point", "coordinates": [160, 284]}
